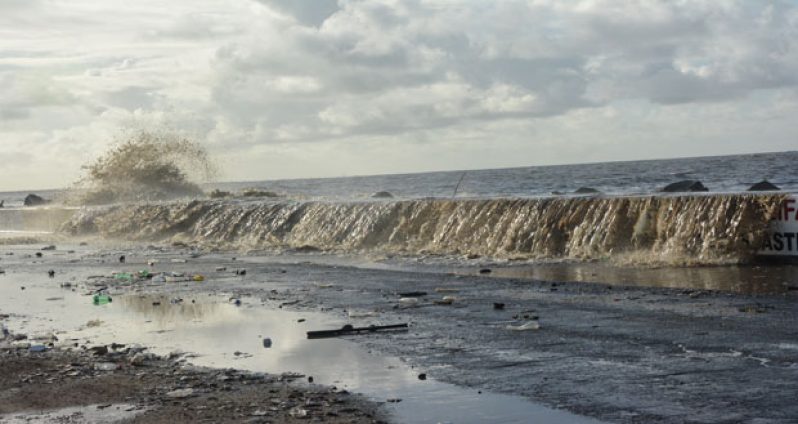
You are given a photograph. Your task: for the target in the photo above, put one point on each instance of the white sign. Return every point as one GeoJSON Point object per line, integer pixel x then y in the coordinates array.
{"type": "Point", "coordinates": [782, 237]}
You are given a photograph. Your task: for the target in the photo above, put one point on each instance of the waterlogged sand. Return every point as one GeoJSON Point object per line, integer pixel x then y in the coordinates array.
{"type": "Point", "coordinates": [71, 386]}
{"type": "Point", "coordinates": [615, 353]}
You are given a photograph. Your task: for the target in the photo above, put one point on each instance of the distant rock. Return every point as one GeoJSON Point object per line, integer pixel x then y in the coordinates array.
{"type": "Point", "coordinates": [218, 194]}
{"type": "Point", "coordinates": [255, 192]}
{"type": "Point", "coordinates": [586, 190]}
{"type": "Point", "coordinates": [764, 185]}
{"type": "Point", "coordinates": [34, 200]}
{"type": "Point", "coordinates": [382, 195]}
{"type": "Point", "coordinates": [686, 185]}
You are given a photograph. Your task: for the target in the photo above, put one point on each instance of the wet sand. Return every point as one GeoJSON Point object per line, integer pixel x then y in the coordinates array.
{"type": "Point", "coordinates": [617, 353]}
{"type": "Point", "coordinates": [72, 386]}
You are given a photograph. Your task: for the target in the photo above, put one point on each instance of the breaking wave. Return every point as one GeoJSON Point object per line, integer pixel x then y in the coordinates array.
{"type": "Point", "coordinates": [685, 230]}
{"type": "Point", "coordinates": [145, 164]}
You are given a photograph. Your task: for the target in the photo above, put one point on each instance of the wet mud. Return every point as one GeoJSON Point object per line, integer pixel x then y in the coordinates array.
{"type": "Point", "coordinates": [614, 353]}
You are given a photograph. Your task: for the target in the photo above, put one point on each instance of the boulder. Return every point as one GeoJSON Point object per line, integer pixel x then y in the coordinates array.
{"type": "Point", "coordinates": [685, 185]}
{"type": "Point", "coordinates": [764, 185]}
{"type": "Point", "coordinates": [34, 200]}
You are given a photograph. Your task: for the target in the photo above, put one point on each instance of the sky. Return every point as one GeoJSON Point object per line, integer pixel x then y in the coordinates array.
{"type": "Point", "coordinates": [324, 88]}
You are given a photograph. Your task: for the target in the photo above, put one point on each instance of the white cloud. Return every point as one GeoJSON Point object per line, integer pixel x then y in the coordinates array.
{"type": "Point", "coordinates": [335, 86]}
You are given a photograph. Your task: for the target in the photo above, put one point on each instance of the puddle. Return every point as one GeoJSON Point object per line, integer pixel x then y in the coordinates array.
{"type": "Point", "coordinates": [91, 414]}
{"type": "Point", "coordinates": [215, 330]}
{"type": "Point", "coordinates": [744, 279]}
{"type": "Point", "coordinates": [774, 278]}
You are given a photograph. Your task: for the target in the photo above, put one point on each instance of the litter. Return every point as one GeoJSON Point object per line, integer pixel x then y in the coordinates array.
{"type": "Point", "coordinates": [447, 300]}
{"type": "Point", "coordinates": [101, 299]}
{"type": "Point", "coordinates": [446, 290]}
{"type": "Point", "coordinates": [37, 348]}
{"type": "Point", "coordinates": [413, 294]}
{"type": "Point", "coordinates": [362, 314]}
{"type": "Point", "coordinates": [198, 278]}
{"type": "Point", "coordinates": [106, 366]}
{"type": "Point", "coordinates": [349, 329]}
{"type": "Point", "coordinates": [267, 342]}
{"type": "Point", "coordinates": [531, 325]}
{"type": "Point", "coordinates": [123, 276]}
{"type": "Point", "coordinates": [409, 300]}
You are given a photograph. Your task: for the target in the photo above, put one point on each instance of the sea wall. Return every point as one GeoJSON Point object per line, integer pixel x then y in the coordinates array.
{"type": "Point", "coordinates": [697, 229]}
{"type": "Point", "coordinates": [34, 220]}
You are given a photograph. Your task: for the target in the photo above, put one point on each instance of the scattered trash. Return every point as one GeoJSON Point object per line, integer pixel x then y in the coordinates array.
{"type": "Point", "coordinates": [446, 290]}
{"type": "Point", "coordinates": [267, 342]}
{"type": "Point", "coordinates": [485, 271]}
{"type": "Point", "coordinates": [122, 259]}
{"type": "Point", "coordinates": [221, 268]}
{"type": "Point", "coordinates": [393, 400]}
{"type": "Point", "coordinates": [160, 278]}
{"type": "Point", "coordinates": [310, 379]}
{"type": "Point", "coordinates": [362, 314]}
{"type": "Point", "coordinates": [447, 300]}
{"type": "Point", "coordinates": [94, 323]}
{"type": "Point", "coordinates": [498, 306]}
{"type": "Point", "coordinates": [37, 348]}
{"type": "Point", "coordinates": [349, 329]}
{"type": "Point", "coordinates": [123, 276]}
{"type": "Point", "coordinates": [101, 299]}
{"type": "Point", "coordinates": [301, 320]}
{"type": "Point", "coordinates": [531, 325]}
{"type": "Point", "coordinates": [50, 247]}
{"type": "Point", "coordinates": [324, 286]}
{"type": "Point", "coordinates": [198, 278]}
{"type": "Point", "coordinates": [180, 393]}
{"type": "Point", "coordinates": [422, 376]}
{"type": "Point", "coordinates": [409, 300]}
{"type": "Point", "coordinates": [241, 272]}
{"type": "Point", "coordinates": [106, 366]}
{"type": "Point", "coordinates": [298, 412]}
{"type": "Point", "coordinates": [52, 299]}
{"type": "Point", "coordinates": [413, 294]}
{"type": "Point", "coordinates": [39, 254]}
{"type": "Point", "coordinates": [51, 273]}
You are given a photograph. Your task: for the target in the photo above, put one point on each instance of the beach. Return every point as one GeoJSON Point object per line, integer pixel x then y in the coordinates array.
{"type": "Point", "coordinates": [612, 353]}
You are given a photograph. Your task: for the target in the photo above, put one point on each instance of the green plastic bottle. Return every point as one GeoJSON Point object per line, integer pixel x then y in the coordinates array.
{"type": "Point", "coordinates": [101, 299]}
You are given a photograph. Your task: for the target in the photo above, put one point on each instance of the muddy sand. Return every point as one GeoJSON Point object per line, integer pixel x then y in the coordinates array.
{"type": "Point", "coordinates": [478, 348]}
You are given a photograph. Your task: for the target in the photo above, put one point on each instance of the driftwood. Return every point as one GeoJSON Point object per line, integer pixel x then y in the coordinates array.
{"type": "Point", "coordinates": [349, 329]}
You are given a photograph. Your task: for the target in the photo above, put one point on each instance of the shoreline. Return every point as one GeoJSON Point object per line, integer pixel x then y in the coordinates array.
{"type": "Point", "coordinates": [617, 353]}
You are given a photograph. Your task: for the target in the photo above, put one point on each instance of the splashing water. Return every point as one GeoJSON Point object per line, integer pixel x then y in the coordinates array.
{"type": "Point", "coordinates": [144, 165]}
{"type": "Point", "coordinates": [677, 230]}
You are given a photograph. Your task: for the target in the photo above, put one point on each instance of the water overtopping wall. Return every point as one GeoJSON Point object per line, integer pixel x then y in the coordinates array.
{"type": "Point", "coordinates": [723, 228]}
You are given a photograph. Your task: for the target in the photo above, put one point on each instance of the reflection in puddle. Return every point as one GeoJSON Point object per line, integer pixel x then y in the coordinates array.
{"type": "Point", "coordinates": [739, 279]}
{"type": "Point", "coordinates": [229, 336]}
{"type": "Point", "coordinates": [225, 335]}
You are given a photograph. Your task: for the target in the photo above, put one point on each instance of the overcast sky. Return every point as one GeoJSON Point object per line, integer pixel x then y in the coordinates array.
{"type": "Point", "coordinates": [308, 88]}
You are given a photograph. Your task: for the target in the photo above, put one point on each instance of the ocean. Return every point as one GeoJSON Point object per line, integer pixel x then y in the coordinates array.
{"type": "Point", "coordinates": [502, 214]}
{"type": "Point", "coordinates": [725, 174]}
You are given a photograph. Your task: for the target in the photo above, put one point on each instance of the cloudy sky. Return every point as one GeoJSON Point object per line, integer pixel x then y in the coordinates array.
{"type": "Point", "coordinates": [308, 88]}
